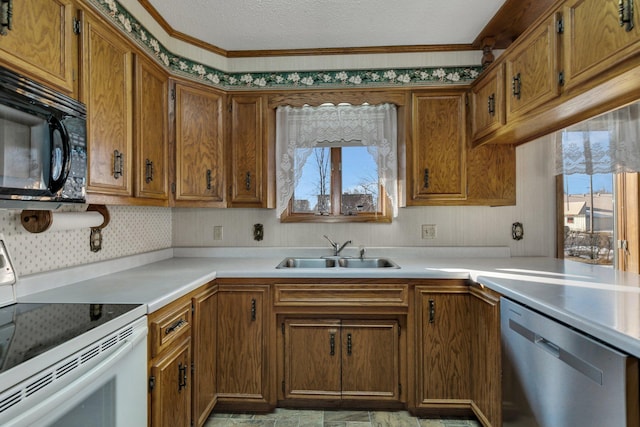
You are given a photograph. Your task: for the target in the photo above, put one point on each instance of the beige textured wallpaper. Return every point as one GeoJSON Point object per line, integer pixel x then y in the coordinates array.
{"type": "Point", "coordinates": [132, 230]}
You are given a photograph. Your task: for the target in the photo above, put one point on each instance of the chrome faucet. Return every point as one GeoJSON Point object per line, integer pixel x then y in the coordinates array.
{"type": "Point", "coordinates": [336, 247]}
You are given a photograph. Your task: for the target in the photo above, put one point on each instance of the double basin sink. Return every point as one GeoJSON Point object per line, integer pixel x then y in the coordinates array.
{"type": "Point", "coordinates": [333, 262]}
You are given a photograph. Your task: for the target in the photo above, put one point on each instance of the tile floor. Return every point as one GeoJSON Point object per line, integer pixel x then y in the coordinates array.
{"type": "Point", "coordinates": [308, 418]}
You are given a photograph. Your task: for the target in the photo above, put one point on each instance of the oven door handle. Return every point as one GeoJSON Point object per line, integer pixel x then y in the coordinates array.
{"type": "Point", "coordinates": [73, 393]}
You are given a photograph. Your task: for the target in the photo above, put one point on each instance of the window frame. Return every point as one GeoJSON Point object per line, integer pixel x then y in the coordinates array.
{"type": "Point", "coordinates": [335, 188]}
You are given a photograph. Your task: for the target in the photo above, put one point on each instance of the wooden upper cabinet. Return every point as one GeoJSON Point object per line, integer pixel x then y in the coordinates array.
{"type": "Point", "coordinates": [531, 70]}
{"type": "Point", "coordinates": [41, 42]}
{"type": "Point", "coordinates": [152, 154]}
{"type": "Point", "coordinates": [491, 175]}
{"type": "Point", "coordinates": [106, 89]}
{"type": "Point", "coordinates": [199, 145]}
{"type": "Point", "coordinates": [436, 151]}
{"type": "Point", "coordinates": [487, 103]}
{"type": "Point", "coordinates": [248, 151]}
{"type": "Point", "coordinates": [594, 39]}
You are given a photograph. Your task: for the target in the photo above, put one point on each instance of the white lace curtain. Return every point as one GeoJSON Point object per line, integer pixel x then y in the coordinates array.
{"type": "Point", "coordinates": [299, 130]}
{"type": "Point", "coordinates": [606, 144]}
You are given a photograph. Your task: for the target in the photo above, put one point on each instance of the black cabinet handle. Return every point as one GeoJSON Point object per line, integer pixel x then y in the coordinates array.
{"type": "Point", "coordinates": [432, 311]}
{"type": "Point", "coordinates": [349, 344]}
{"type": "Point", "coordinates": [625, 12]}
{"type": "Point", "coordinates": [253, 309]}
{"type": "Point", "coordinates": [208, 179]}
{"type": "Point", "coordinates": [6, 14]}
{"type": "Point", "coordinates": [491, 104]}
{"type": "Point", "coordinates": [247, 181]}
{"type": "Point", "coordinates": [516, 86]}
{"type": "Point", "coordinates": [332, 344]}
{"type": "Point", "coordinates": [426, 178]}
{"type": "Point", "coordinates": [118, 164]}
{"type": "Point", "coordinates": [182, 376]}
{"type": "Point", "coordinates": [174, 326]}
{"type": "Point", "coordinates": [148, 171]}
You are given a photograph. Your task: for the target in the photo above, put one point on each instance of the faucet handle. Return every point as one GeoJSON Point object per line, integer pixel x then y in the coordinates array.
{"type": "Point", "coordinates": [363, 250]}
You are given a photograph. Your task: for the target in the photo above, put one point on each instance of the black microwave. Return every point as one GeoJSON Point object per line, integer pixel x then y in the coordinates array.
{"type": "Point", "coordinates": [43, 147]}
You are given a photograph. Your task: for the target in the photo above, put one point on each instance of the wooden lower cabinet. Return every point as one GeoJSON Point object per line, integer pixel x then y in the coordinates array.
{"type": "Point", "coordinates": [182, 356]}
{"type": "Point", "coordinates": [443, 348]}
{"type": "Point", "coordinates": [171, 383]}
{"type": "Point", "coordinates": [243, 343]}
{"type": "Point", "coordinates": [205, 314]}
{"type": "Point", "coordinates": [486, 360]}
{"type": "Point", "coordinates": [333, 359]}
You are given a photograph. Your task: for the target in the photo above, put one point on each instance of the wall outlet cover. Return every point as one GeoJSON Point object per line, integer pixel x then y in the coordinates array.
{"type": "Point", "coordinates": [429, 231]}
{"type": "Point", "coordinates": [217, 232]}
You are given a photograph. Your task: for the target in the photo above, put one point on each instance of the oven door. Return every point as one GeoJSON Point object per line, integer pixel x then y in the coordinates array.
{"type": "Point", "coordinates": [110, 392]}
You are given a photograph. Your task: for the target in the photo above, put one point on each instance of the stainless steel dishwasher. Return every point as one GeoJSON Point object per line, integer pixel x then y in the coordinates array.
{"type": "Point", "coordinates": [555, 376]}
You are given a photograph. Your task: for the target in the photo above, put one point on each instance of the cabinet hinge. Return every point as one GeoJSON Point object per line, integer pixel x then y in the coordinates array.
{"type": "Point", "coordinates": [193, 368]}
{"type": "Point", "coordinates": [560, 26]}
{"type": "Point", "coordinates": [282, 328]}
{"type": "Point", "coordinates": [173, 188]}
{"type": "Point", "coordinates": [282, 386]}
{"type": "Point", "coordinates": [399, 330]}
{"type": "Point", "coordinates": [152, 383]}
{"type": "Point", "coordinates": [173, 94]}
{"type": "Point", "coordinates": [561, 78]}
{"type": "Point", "coordinates": [400, 389]}
{"type": "Point", "coordinates": [77, 26]}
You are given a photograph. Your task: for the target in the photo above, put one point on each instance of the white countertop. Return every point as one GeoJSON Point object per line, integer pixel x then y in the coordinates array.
{"type": "Point", "coordinates": [599, 301]}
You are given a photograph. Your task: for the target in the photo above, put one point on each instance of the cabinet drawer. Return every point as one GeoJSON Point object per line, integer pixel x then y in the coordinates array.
{"type": "Point", "coordinates": [341, 295]}
{"type": "Point", "coordinates": [167, 328]}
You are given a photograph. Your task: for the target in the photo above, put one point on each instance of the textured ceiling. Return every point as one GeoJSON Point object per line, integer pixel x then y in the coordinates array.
{"type": "Point", "coordinates": [307, 24]}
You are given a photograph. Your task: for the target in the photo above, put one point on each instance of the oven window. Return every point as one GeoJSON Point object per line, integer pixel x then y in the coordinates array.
{"type": "Point", "coordinates": [97, 410]}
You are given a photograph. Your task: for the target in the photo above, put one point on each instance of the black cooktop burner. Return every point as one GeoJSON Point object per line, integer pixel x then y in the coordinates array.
{"type": "Point", "coordinates": [27, 330]}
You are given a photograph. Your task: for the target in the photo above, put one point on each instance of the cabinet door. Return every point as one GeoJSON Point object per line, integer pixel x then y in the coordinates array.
{"type": "Point", "coordinates": [437, 150]}
{"type": "Point", "coordinates": [107, 92]}
{"type": "Point", "coordinates": [594, 40]}
{"type": "Point", "coordinates": [171, 392]}
{"type": "Point", "coordinates": [205, 315]}
{"type": "Point", "coordinates": [40, 43]}
{"type": "Point", "coordinates": [491, 175]}
{"type": "Point", "coordinates": [487, 103]}
{"type": "Point", "coordinates": [312, 359]}
{"type": "Point", "coordinates": [199, 145]}
{"type": "Point", "coordinates": [532, 70]}
{"type": "Point", "coordinates": [248, 152]}
{"type": "Point", "coordinates": [152, 152]}
{"type": "Point", "coordinates": [485, 347]}
{"type": "Point", "coordinates": [242, 342]}
{"type": "Point", "coordinates": [370, 360]}
{"type": "Point", "coordinates": [443, 347]}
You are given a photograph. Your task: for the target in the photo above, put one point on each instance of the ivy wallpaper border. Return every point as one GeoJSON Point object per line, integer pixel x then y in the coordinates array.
{"type": "Point", "coordinates": [181, 66]}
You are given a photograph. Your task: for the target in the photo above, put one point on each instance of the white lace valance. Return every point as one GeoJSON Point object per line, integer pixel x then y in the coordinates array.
{"type": "Point", "coordinates": [299, 130]}
{"type": "Point", "coordinates": [606, 144]}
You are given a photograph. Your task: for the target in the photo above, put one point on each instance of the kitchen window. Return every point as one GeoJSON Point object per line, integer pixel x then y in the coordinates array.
{"type": "Point", "coordinates": [337, 163]}
{"type": "Point", "coordinates": [596, 163]}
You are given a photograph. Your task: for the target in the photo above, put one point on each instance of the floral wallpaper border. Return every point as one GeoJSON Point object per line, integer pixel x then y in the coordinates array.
{"type": "Point", "coordinates": [280, 80]}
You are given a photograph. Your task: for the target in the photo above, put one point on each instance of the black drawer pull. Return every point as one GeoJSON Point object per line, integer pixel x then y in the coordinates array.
{"type": "Point", "coordinates": [176, 325]}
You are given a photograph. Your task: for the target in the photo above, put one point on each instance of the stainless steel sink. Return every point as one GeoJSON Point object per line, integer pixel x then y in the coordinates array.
{"type": "Point", "coordinates": [295, 262]}
{"type": "Point", "coordinates": [367, 263]}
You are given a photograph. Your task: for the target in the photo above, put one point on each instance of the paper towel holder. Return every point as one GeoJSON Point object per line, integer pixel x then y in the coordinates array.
{"type": "Point", "coordinates": [37, 221]}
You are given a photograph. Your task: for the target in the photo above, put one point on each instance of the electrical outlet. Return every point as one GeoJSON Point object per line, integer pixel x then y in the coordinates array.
{"type": "Point", "coordinates": [217, 232]}
{"type": "Point", "coordinates": [429, 231]}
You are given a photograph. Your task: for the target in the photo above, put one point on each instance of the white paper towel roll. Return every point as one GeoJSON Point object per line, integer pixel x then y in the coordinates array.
{"type": "Point", "coordinates": [75, 220]}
